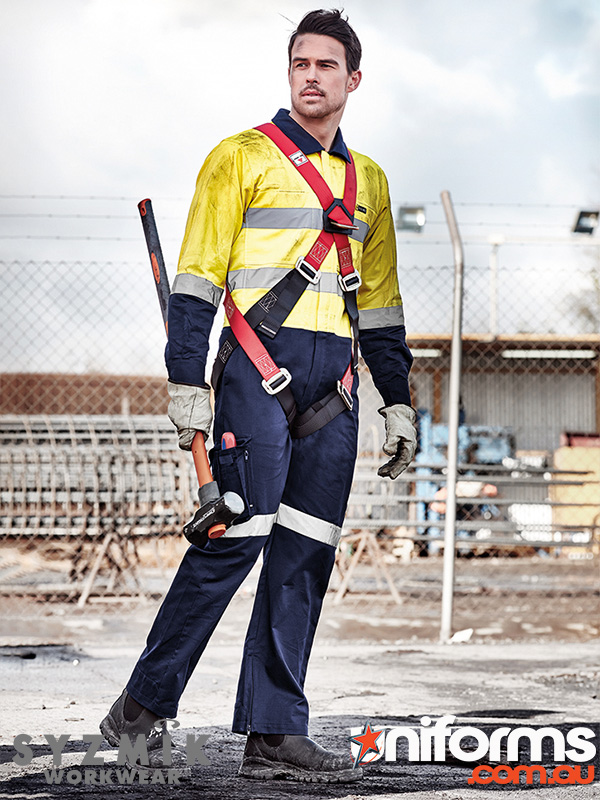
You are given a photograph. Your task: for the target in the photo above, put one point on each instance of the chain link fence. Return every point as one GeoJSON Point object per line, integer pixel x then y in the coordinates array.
{"type": "Point", "coordinates": [95, 491]}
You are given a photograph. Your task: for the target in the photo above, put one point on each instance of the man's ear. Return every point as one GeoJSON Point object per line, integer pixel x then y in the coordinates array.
{"type": "Point", "coordinates": [354, 80]}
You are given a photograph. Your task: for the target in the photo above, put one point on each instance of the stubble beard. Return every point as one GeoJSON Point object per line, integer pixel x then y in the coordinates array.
{"type": "Point", "coordinates": [319, 110]}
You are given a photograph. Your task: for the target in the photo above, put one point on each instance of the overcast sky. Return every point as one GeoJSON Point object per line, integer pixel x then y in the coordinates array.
{"type": "Point", "coordinates": [105, 102]}
{"type": "Point", "coordinates": [496, 101]}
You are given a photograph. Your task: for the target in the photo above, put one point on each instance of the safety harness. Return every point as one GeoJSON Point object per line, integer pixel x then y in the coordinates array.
{"type": "Point", "coordinates": [268, 314]}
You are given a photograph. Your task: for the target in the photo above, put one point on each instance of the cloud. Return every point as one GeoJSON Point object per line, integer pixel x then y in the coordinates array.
{"type": "Point", "coordinates": [560, 82]}
{"type": "Point", "coordinates": [558, 179]}
{"type": "Point", "coordinates": [118, 86]}
{"type": "Point", "coordinates": [468, 87]}
{"type": "Point", "coordinates": [570, 65]}
{"type": "Point", "coordinates": [465, 88]}
{"type": "Point", "coordinates": [117, 98]}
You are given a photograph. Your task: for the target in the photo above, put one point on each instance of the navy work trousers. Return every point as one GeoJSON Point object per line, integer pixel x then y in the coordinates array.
{"type": "Point", "coordinates": [295, 492]}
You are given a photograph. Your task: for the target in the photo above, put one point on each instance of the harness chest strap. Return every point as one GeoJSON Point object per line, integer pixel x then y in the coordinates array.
{"type": "Point", "coordinates": [338, 212]}
{"type": "Point", "coordinates": [271, 310]}
{"type": "Point", "coordinates": [338, 220]}
{"type": "Point", "coordinates": [338, 215]}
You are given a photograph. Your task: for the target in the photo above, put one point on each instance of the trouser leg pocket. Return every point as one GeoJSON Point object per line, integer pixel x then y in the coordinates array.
{"type": "Point", "coordinates": [232, 472]}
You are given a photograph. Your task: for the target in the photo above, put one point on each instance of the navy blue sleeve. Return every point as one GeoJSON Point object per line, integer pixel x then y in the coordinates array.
{"type": "Point", "coordinates": [389, 360]}
{"type": "Point", "coordinates": [190, 323]}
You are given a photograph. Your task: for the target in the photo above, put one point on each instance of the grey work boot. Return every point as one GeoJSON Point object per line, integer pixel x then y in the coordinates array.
{"type": "Point", "coordinates": [115, 724]}
{"type": "Point", "coordinates": [295, 757]}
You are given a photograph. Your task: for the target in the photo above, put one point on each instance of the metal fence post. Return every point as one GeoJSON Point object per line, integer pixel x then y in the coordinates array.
{"type": "Point", "coordinates": [495, 242]}
{"type": "Point", "coordinates": [453, 412]}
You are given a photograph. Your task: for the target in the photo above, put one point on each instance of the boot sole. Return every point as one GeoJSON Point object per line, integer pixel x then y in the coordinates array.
{"type": "Point", "coordinates": [109, 730]}
{"type": "Point", "coordinates": [263, 770]}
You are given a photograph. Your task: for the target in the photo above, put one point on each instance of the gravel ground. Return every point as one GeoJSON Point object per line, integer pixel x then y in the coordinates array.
{"type": "Point", "coordinates": [61, 668]}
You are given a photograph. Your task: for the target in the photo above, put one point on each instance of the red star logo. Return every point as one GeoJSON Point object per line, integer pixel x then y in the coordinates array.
{"type": "Point", "coordinates": [367, 742]}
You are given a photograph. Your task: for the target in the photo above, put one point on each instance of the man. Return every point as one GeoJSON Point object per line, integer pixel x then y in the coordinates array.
{"type": "Point", "coordinates": [311, 275]}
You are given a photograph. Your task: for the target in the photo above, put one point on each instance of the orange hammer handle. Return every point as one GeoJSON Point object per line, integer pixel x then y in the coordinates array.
{"type": "Point", "coordinates": [201, 460]}
{"type": "Point", "coordinates": [205, 476]}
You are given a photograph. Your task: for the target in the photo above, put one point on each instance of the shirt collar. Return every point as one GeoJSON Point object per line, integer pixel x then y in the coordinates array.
{"type": "Point", "coordinates": [304, 140]}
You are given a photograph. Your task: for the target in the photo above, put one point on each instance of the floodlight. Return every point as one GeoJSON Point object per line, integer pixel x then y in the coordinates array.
{"type": "Point", "coordinates": [587, 222]}
{"type": "Point", "coordinates": [411, 218]}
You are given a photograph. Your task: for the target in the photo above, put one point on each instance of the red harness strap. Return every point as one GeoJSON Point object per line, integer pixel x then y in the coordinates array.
{"type": "Point", "coordinates": [274, 379]}
{"type": "Point", "coordinates": [338, 215]}
{"type": "Point", "coordinates": [338, 221]}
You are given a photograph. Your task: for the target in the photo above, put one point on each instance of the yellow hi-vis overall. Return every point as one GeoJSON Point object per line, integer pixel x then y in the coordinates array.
{"type": "Point", "coordinates": [251, 219]}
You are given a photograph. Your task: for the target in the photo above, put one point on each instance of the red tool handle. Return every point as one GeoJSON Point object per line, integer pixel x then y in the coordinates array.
{"type": "Point", "coordinates": [205, 476]}
{"type": "Point", "coordinates": [203, 470]}
{"type": "Point", "coordinates": [201, 460]}
{"type": "Point", "coordinates": [228, 440]}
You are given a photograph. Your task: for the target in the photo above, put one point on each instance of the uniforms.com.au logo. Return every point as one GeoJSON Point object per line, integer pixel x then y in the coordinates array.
{"type": "Point", "coordinates": [435, 739]}
{"type": "Point", "coordinates": [133, 750]}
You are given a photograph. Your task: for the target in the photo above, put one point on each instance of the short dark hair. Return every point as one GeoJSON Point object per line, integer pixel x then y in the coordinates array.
{"type": "Point", "coordinates": [330, 23]}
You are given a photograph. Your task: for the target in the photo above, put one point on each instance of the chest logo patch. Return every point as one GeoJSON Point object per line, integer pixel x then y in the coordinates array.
{"type": "Point", "coordinates": [298, 158]}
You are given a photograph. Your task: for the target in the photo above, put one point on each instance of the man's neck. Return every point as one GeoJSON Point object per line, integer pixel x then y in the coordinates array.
{"type": "Point", "coordinates": [323, 130]}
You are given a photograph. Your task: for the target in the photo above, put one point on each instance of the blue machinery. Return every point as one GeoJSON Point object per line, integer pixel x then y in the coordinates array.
{"type": "Point", "coordinates": [478, 446]}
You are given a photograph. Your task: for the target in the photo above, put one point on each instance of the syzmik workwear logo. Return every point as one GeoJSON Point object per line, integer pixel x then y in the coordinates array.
{"type": "Point", "coordinates": [503, 754]}
{"type": "Point", "coordinates": [136, 758]}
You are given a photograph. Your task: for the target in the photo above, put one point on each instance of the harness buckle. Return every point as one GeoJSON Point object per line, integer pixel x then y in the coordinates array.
{"type": "Point", "coordinates": [333, 226]}
{"type": "Point", "coordinates": [307, 271]}
{"type": "Point", "coordinates": [277, 382]}
{"type": "Point", "coordinates": [349, 282]}
{"type": "Point", "coordinates": [345, 395]}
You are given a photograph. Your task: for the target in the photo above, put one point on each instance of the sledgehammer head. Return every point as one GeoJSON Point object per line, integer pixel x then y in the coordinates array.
{"type": "Point", "coordinates": [214, 509]}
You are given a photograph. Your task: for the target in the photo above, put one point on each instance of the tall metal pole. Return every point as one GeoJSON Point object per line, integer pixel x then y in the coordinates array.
{"type": "Point", "coordinates": [453, 414]}
{"type": "Point", "coordinates": [494, 290]}
{"type": "Point", "coordinates": [495, 241]}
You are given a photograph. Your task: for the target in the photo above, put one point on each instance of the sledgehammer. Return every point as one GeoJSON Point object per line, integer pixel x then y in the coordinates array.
{"type": "Point", "coordinates": [216, 511]}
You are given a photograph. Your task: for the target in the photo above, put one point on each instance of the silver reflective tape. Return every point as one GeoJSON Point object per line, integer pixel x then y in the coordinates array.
{"type": "Point", "coordinates": [361, 234]}
{"type": "Point", "coordinates": [259, 525]}
{"type": "Point", "coordinates": [380, 317]}
{"type": "Point", "coordinates": [282, 218]}
{"type": "Point", "coordinates": [267, 277]}
{"type": "Point", "coordinates": [310, 526]}
{"type": "Point", "coordinates": [186, 283]}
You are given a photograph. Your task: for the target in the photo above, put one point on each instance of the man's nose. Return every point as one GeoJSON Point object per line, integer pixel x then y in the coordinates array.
{"type": "Point", "coordinates": [312, 74]}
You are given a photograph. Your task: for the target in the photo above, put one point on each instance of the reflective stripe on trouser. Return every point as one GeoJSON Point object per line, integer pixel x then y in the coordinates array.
{"type": "Point", "coordinates": [296, 494]}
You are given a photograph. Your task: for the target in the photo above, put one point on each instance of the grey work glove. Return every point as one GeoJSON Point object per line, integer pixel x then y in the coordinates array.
{"type": "Point", "coordinates": [190, 411]}
{"type": "Point", "coordinates": [400, 439]}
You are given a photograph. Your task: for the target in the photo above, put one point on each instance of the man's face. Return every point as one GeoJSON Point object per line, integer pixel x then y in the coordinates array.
{"type": "Point", "coordinates": [319, 77]}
